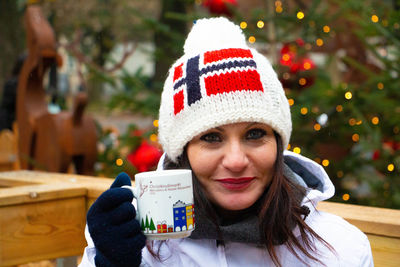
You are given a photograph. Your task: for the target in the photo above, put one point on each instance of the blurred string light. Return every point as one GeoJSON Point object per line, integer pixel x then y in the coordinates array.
{"type": "Point", "coordinates": [317, 127]}
{"type": "Point", "coordinates": [260, 24]}
{"type": "Point", "coordinates": [297, 150]}
{"type": "Point", "coordinates": [153, 138]}
{"type": "Point", "coordinates": [278, 7]}
{"type": "Point", "coordinates": [243, 24]}
{"type": "Point", "coordinates": [390, 167]}
{"type": "Point", "coordinates": [300, 15]}
{"type": "Point", "coordinates": [355, 137]}
{"type": "Point", "coordinates": [339, 108]}
{"type": "Point", "coordinates": [339, 174]}
{"type": "Point", "coordinates": [380, 86]}
{"type": "Point", "coordinates": [304, 110]}
{"type": "Point", "coordinates": [252, 39]}
{"type": "Point", "coordinates": [155, 123]}
{"type": "Point", "coordinates": [288, 147]}
{"type": "Point", "coordinates": [119, 162]}
{"type": "Point", "coordinates": [291, 101]}
{"type": "Point", "coordinates": [375, 120]}
{"type": "Point", "coordinates": [346, 197]}
{"type": "Point", "coordinates": [348, 95]}
{"type": "Point", "coordinates": [319, 42]}
{"type": "Point", "coordinates": [326, 29]}
{"type": "Point", "coordinates": [302, 81]}
{"type": "Point", "coordinates": [374, 18]}
{"type": "Point", "coordinates": [325, 163]}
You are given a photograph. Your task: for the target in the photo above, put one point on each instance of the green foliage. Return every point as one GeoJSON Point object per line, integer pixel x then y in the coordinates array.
{"type": "Point", "coordinates": [360, 150]}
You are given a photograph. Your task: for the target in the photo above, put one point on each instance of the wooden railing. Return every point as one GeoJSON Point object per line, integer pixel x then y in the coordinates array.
{"type": "Point", "coordinates": [42, 216]}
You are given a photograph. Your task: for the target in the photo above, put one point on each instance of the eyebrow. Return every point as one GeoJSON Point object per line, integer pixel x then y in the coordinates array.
{"type": "Point", "coordinates": [251, 124]}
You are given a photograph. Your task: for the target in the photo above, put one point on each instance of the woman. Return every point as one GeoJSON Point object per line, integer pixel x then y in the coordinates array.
{"type": "Point", "coordinates": [224, 115]}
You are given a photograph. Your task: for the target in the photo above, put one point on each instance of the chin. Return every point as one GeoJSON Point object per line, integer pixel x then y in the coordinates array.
{"type": "Point", "coordinates": [236, 205]}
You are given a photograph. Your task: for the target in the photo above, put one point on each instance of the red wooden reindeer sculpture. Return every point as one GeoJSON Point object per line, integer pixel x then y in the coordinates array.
{"type": "Point", "coordinates": [49, 141]}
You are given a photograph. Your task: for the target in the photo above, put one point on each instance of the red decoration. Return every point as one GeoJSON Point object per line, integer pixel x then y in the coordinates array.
{"type": "Point", "coordinates": [145, 157]}
{"type": "Point", "coordinates": [220, 7]}
{"type": "Point", "coordinates": [296, 69]}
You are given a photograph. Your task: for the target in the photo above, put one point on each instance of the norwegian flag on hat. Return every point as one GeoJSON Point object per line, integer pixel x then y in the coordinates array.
{"type": "Point", "coordinates": [212, 73]}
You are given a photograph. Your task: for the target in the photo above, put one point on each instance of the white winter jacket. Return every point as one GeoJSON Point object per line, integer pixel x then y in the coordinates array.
{"type": "Point", "coordinates": [351, 246]}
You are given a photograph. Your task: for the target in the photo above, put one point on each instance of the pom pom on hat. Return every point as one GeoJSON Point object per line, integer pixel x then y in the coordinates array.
{"type": "Point", "coordinates": [213, 34]}
{"type": "Point", "coordinates": [219, 80]}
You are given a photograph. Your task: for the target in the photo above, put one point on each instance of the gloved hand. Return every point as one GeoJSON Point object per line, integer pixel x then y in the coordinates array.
{"type": "Point", "coordinates": [115, 232]}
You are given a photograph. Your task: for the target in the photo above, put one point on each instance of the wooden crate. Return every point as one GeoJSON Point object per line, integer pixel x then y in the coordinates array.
{"type": "Point", "coordinates": [43, 215]}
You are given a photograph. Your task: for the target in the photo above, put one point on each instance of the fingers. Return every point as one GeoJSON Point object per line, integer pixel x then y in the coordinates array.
{"type": "Point", "coordinates": [111, 199]}
{"type": "Point", "coordinates": [122, 179]}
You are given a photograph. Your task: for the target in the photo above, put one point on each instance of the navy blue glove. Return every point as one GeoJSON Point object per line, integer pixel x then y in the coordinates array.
{"type": "Point", "coordinates": [111, 221]}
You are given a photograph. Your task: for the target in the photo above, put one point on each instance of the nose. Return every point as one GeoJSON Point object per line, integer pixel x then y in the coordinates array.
{"type": "Point", "coordinates": [235, 157]}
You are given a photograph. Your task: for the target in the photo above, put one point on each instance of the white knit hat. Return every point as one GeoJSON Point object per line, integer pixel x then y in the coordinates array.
{"type": "Point", "coordinates": [219, 80]}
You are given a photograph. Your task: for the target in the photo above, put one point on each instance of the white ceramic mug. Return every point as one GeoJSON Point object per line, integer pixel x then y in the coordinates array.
{"type": "Point", "coordinates": [165, 207]}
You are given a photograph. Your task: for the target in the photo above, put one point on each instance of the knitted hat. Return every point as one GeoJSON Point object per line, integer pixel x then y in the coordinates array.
{"type": "Point", "coordinates": [219, 80]}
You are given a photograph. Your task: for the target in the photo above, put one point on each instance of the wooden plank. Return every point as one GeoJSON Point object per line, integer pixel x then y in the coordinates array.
{"type": "Point", "coordinates": [385, 250]}
{"type": "Point", "coordinates": [43, 230]}
{"type": "Point", "coordinates": [370, 220]}
{"type": "Point", "coordinates": [37, 193]}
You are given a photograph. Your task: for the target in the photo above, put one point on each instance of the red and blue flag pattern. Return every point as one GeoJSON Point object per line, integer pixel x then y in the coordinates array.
{"type": "Point", "coordinates": [220, 71]}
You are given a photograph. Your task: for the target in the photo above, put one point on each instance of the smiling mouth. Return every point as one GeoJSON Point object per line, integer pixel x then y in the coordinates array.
{"type": "Point", "coordinates": [236, 184]}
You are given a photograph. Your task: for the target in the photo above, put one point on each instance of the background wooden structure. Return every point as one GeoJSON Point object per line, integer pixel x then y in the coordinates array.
{"type": "Point", "coordinates": [49, 141]}
{"type": "Point", "coordinates": [42, 216]}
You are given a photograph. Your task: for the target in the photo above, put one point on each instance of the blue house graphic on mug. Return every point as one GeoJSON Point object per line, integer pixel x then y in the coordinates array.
{"type": "Point", "coordinates": [183, 216]}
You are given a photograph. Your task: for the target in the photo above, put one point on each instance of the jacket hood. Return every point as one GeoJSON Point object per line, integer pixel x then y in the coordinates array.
{"type": "Point", "coordinates": [311, 175]}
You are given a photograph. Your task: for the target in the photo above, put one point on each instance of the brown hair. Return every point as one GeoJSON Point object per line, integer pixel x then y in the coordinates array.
{"type": "Point", "coordinates": [279, 213]}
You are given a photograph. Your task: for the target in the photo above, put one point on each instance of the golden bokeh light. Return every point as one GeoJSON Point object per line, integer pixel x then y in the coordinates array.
{"type": "Point", "coordinates": [300, 15]}
{"type": "Point", "coordinates": [319, 42]}
{"type": "Point", "coordinates": [346, 197]}
{"type": "Point", "coordinates": [390, 167]}
{"type": "Point", "coordinates": [304, 110]}
{"type": "Point", "coordinates": [153, 138]}
{"type": "Point", "coordinates": [355, 137]}
{"type": "Point", "coordinates": [119, 162]}
{"type": "Point", "coordinates": [375, 120]}
{"type": "Point", "coordinates": [325, 163]}
{"type": "Point", "coordinates": [252, 39]}
{"type": "Point", "coordinates": [297, 150]}
{"type": "Point", "coordinates": [243, 24]}
{"type": "Point", "coordinates": [348, 95]}
{"type": "Point", "coordinates": [302, 81]}
{"type": "Point", "coordinates": [339, 108]}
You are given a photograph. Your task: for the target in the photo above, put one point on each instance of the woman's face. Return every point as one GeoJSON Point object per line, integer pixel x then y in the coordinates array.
{"type": "Point", "coordinates": [234, 163]}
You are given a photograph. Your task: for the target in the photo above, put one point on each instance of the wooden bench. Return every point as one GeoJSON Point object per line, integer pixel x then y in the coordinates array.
{"type": "Point", "coordinates": [42, 216]}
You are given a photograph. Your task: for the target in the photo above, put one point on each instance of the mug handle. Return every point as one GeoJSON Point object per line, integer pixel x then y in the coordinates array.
{"type": "Point", "coordinates": [133, 189]}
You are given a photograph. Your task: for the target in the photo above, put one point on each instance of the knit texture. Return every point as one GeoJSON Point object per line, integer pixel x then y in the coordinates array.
{"type": "Point", "coordinates": [219, 80]}
{"type": "Point", "coordinates": [112, 225]}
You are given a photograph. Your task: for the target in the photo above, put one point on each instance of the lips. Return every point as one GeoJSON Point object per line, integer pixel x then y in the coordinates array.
{"type": "Point", "coordinates": [236, 184]}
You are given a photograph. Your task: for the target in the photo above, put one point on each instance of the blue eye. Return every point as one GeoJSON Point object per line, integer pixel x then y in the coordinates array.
{"type": "Point", "coordinates": [255, 134]}
{"type": "Point", "coordinates": [211, 138]}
